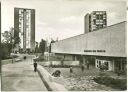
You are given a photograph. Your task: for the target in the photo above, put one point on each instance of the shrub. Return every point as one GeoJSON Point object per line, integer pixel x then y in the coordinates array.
{"type": "Point", "coordinates": [103, 74]}
{"type": "Point", "coordinates": [14, 56]}
{"type": "Point", "coordinates": [114, 83]}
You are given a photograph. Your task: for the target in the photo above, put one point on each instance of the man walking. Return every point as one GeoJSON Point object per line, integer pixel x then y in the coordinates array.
{"type": "Point", "coordinates": [82, 67]}
{"type": "Point", "coordinates": [71, 71]}
{"type": "Point", "coordinates": [87, 64]}
{"type": "Point", "coordinates": [35, 66]}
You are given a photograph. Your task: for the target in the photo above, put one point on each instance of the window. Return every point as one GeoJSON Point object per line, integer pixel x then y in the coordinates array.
{"type": "Point", "coordinates": [104, 16]}
{"type": "Point", "coordinates": [94, 21]}
{"type": "Point", "coordinates": [101, 16]}
{"type": "Point", "coordinates": [104, 22]}
{"type": "Point", "coordinates": [97, 16]}
{"type": "Point", "coordinates": [100, 26]}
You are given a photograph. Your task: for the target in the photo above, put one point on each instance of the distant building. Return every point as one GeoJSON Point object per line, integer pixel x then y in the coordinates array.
{"type": "Point", "coordinates": [24, 27]}
{"type": "Point", "coordinates": [87, 26]}
{"type": "Point", "coordinates": [94, 21]}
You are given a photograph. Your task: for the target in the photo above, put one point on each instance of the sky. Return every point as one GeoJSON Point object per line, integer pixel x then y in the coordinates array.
{"type": "Point", "coordinates": [62, 18]}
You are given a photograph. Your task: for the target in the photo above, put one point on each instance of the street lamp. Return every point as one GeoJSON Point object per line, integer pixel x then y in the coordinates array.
{"type": "Point", "coordinates": [12, 49]}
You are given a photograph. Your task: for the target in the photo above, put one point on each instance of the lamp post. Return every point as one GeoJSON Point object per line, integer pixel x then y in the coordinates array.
{"type": "Point", "coordinates": [12, 49]}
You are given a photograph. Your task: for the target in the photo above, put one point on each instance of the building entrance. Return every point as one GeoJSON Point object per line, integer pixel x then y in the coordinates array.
{"type": "Point", "coordinates": [102, 62]}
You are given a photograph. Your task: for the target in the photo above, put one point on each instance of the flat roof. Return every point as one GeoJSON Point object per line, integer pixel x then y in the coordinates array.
{"type": "Point", "coordinates": [93, 31]}
{"type": "Point", "coordinates": [23, 8]}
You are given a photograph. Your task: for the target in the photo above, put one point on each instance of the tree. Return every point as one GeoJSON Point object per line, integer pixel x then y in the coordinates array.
{"type": "Point", "coordinates": [52, 41]}
{"type": "Point", "coordinates": [5, 52]}
{"type": "Point", "coordinates": [7, 37]}
{"type": "Point", "coordinates": [42, 46]}
{"type": "Point", "coordinates": [7, 41]}
{"type": "Point", "coordinates": [16, 39]}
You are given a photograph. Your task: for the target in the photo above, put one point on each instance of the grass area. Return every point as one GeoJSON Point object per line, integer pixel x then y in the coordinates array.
{"type": "Point", "coordinates": [114, 82]}
{"type": "Point", "coordinates": [120, 84]}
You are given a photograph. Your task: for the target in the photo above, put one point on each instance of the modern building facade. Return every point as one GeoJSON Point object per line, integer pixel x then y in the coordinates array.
{"type": "Point", "coordinates": [105, 46]}
{"type": "Point", "coordinates": [94, 21]}
{"type": "Point", "coordinates": [24, 28]}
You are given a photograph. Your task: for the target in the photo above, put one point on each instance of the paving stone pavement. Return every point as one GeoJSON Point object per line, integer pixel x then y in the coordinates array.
{"type": "Point", "coordinates": [21, 77]}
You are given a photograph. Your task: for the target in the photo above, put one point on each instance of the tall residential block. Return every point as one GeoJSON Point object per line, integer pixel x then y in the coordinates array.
{"type": "Point", "coordinates": [94, 21]}
{"type": "Point", "coordinates": [87, 23]}
{"type": "Point", "coordinates": [24, 28]}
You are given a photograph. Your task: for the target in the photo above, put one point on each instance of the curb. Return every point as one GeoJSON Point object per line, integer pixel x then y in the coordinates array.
{"type": "Point", "coordinates": [49, 80]}
{"type": "Point", "coordinates": [44, 81]}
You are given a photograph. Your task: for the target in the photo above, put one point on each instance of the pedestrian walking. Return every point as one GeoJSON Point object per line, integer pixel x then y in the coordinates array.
{"type": "Point", "coordinates": [71, 71]}
{"type": "Point", "coordinates": [25, 57]}
{"type": "Point", "coordinates": [87, 64]}
{"type": "Point", "coordinates": [82, 68]}
{"type": "Point", "coordinates": [35, 66]}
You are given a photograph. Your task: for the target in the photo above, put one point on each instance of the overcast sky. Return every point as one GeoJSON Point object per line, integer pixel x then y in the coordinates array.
{"type": "Point", "coordinates": [62, 18]}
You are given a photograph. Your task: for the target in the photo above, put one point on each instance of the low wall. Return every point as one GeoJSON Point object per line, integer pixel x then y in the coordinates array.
{"type": "Point", "coordinates": [7, 61]}
{"type": "Point", "coordinates": [50, 81]}
{"type": "Point", "coordinates": [48, 63]}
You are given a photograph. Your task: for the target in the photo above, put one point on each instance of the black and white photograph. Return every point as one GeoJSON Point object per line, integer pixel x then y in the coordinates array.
{"type": "Point", "coordinates": [63, 45]}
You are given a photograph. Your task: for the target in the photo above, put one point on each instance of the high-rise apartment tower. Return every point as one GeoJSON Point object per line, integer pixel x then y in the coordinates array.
{"type": "Point", "coordinates": [24, 28]}
{"type": "Point", "coordinates": [94, 21]}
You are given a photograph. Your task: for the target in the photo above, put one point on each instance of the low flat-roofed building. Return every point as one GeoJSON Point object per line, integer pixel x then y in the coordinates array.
{"type": "Point", "coordinates": [105, 46]}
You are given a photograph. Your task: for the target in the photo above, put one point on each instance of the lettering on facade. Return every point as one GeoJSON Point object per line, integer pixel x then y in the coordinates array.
{"type": "Point", "coordinates": [95, 51]}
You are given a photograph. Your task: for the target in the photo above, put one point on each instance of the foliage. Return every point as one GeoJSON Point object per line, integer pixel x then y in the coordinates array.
{"type": "Point", "coordinates": [5, 50]}
{"type": "Point", "coordinates": [8, 43]}
{"type": "Point", "coordinates": [42, 46]}
{"type": "Point", "coordinates": [105, 79]}
{"type": "Point", "coordinates": [17, 40]}
{"type": "Point", "coordinates": [103, 74]}
{"type": "Point", "coordinates": [103, 67]}
{"type": "Point", "coordinates": [121, 72]}
{"type": "Point", "coordinates": [52, 41]}
{"type": "Point", "coordinates": [56, 73]}
{"type": "Point", "coordinates": [112, 82]}
{"type": "Point", "coordinates": [9, 37]}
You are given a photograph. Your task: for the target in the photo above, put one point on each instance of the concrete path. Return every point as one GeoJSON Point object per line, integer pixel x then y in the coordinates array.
{"type": "Point", "coordinates": [21, 77]}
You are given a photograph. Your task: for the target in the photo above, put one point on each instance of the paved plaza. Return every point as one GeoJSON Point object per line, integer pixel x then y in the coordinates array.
{"type": "Point", "coordinates": [21, 77]}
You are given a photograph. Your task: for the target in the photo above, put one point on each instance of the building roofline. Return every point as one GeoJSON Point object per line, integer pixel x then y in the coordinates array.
{"type": "Point", "coordinates": [111, 25]}
{"type": "Point", "coordinates": [98, 11]}
{"type": "Point", "coordinates": [93, 31]}
{"type": "Point", "coordinates": [116, 24]}
{"type": "Point", "coordinates": [23, 8]}
{"type": "Point", "coordinates": [89, 55]}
